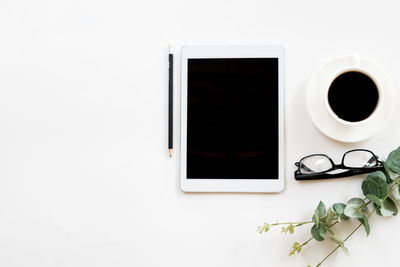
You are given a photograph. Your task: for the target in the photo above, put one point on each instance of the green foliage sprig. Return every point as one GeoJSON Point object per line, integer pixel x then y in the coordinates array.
{"type": "Point", "coordinates": [381, 191]}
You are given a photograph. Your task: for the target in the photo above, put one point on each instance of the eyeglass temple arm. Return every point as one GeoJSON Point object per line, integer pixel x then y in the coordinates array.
{"type": "Point", "coordinates": [318, 176]}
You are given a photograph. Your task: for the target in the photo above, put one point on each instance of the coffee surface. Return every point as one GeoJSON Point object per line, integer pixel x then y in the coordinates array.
{"type": "Point", "coordinates": [353, 96]}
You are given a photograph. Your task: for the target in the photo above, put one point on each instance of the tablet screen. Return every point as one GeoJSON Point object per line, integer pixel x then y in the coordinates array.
{"type": "Point", "coordinates": [232, 118]}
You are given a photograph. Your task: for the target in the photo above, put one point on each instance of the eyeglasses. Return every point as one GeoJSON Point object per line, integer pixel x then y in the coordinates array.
{"type": "Point", "coordinates": [320, 166]}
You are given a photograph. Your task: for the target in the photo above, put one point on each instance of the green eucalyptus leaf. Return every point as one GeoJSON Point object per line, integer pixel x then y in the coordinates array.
{"type": "Point", "coordinates": [318, 232]}
{"type": "Point", "coordinates": [388, 208]}
{"type": "Point", "coordinates": [393, 161]}
{"type": "Point", "coordinates": [395, 193]}
{"type": "Point", "coordinates": [336, 239]}
{"type": "Point", "coordinates": [343, 217]}
{"type": "Point", "coordinates": [353, 211]}
{"type": "Point", "coordinates": [359, 202]}
{"type": "Point", "coordinates": [345, 250]}
{"type": "Point", "coordinates": [316, 217]}
{"type": "Point", "coordinates": [375, 200]}
{"type": "Point", "coordinates": [386, 171]}
{"type": "Point", "coordinates": [364, 221]}
{"type": "Point", "coordinates": [394, 206]}
{"type": "Point", "coordinates": [380, 179]}
{"type": "Point", "coordinates": [377, 174]}
{"type": "Point", "coordinates": [339, 209]}
{"type": "Point", "coordinates": [330, 217]}
{"type": "Point", "coordinates": [356, 200]}
{"type": "Point", "coordinates": [322, 209]}
{"type": "Point", "coordinates": [320, 212]}
{"type": "Point", "coordinates": [383, 188]}
{"type": "Point", "coordinates": [370, 187]}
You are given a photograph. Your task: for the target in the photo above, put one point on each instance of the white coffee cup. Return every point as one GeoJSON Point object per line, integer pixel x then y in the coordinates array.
{"type": "Point", "coordinates": [362, 125]}
{"type": "Point", "coordinates": [354, 68]}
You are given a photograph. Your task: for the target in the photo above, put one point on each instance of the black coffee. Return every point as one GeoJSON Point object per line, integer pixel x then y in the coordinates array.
{"type": "Point", "coordinates": [353, 96]}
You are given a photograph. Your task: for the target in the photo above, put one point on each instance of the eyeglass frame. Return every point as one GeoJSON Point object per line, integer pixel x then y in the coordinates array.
{"type": "Point", "coordinates": [351, 170]}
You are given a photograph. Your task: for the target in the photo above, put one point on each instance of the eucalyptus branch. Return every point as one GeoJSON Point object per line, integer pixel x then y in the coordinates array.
{"type": "Point", "coordinates": [297, 247]}
{"type": "Point", "coordinates": [338, 246]}
{"type": "Point", "coordinates": [347, 237]}
{"type": "Point", "coordinates": [328, 255]}
{"type": "Point", "coordinates": [297, 223]}
{"type": "Point", "coordinates": [290, 228]}
{"type": "Point", "coordinates": [378, 189]}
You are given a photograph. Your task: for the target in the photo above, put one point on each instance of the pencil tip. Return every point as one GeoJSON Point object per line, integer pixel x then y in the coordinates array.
{"type": "Point", "coordinates": [170, 153]}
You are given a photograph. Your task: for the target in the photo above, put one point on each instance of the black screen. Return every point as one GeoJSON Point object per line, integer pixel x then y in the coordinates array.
{"type": "Point", "coordinates": [232, 118]}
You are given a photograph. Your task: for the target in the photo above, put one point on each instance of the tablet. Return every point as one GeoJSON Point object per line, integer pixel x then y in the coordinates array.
{"type": "Point", "coordinates": [232, 118]}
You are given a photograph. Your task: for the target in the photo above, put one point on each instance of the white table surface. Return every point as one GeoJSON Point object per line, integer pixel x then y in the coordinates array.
{"type": "Point", "coordinates": [85, 179]}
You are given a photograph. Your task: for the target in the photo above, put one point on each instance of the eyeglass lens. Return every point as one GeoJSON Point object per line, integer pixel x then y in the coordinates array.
{"type": "Point", "coordinates": [315, 164]}
{"type": "Point", "coordinates": [359, 159]}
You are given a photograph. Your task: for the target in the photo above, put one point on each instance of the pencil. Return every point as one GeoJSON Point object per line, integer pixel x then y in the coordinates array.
{"type": "Point", "coordinates": [170, 100]}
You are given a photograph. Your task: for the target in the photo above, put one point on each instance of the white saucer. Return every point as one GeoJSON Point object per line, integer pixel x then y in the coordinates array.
{"type": "Point", "coordinates": [332, 127]}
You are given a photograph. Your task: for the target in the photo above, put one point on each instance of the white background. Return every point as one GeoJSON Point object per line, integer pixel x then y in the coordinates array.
{"type": "Point", "coordinates": [84, 175]}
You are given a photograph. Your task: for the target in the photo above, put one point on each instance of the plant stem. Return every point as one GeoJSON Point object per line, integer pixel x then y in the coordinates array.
{"type": "Point", "coordinates": [296, 224]}
{"type": "Point", "coordinates": [365, 204]}
{"type": "Point", "coordinates": [319, 264]}
{"type": "Point", "coordinates": [352, 232]}
{"type": "Point", "coordinates": [347, 237]}
{"type": "Point", "coordinates": [300, 223]}
{"type": "Point", "coordinates": [311, 238]}
{"type": "Point", "coordinates": [395, 182]}
{"type": "Point", "coordinates": [305, 243]}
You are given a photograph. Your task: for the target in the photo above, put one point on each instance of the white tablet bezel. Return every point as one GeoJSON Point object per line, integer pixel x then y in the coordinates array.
{"type": "Point", "coordinates": [232, 185]}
